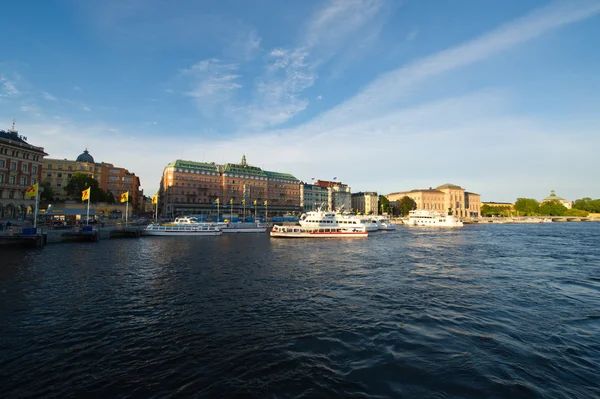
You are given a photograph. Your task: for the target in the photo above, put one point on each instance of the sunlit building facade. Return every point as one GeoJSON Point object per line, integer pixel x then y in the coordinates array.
{"type": "Point", "coordinates": [189, 187]}
{"type": "Point", "coordinates": [20, 168]}
{"type": "Point", "coordinates": [365, 202]}
{"type": "Point", "coordinates": [111, 179]}
{"type": "Point", "coordinates": [448, 198]}
{"type": "Point", "coordinates": [313, 197]}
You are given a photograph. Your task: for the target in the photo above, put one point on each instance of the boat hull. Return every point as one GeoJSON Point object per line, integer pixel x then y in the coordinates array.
{"type": "Point", "coordinates": [280, 234]}
{"type": "Point", "coordinates": [181, 233]}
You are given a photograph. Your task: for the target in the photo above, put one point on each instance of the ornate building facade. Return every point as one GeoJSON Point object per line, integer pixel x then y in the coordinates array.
{"type": "Point", "coordinates": [554, 197]}
{"type": "Point", "coordinates": [111, 179]}
{"type": "Point", "coordinates": [189, 187]}
{"type": "Point", "coordinates": [20, 168]}
{"type": "Point", "coordinates": [365, 202]}
{"type": "Point", "coordinates": [448, 198]}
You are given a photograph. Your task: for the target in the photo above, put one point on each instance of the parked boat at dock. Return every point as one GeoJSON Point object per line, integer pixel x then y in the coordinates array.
{"type": "Point", "coordinates": [427, 218]}
{"type": "Point", "coordinates": [318, 232]}
{"type": "Point", "coordinates": [182, 230]}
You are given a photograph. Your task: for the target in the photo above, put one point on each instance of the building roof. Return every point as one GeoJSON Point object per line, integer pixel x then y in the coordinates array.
{"type": "Point", "coordinates": [278, 175]}
{"type": "Point", "coordinates": [244, 169]}
{"type": "Point", "coordinates": [13, 136]}
{"type": "Point", "coordinates": [85, 157]}
{"type": "Point", "coordinates": [553, 197]}
{"type": "Point", "coordinates": [470, 193]}
{"type": "Point", "coordinates": [210, 167]}
{"type": "Point", "coordinates": [449, 185]}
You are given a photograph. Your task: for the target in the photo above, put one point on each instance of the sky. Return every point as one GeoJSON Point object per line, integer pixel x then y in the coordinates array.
{"type": "Point", "coordinates": [499, 97]}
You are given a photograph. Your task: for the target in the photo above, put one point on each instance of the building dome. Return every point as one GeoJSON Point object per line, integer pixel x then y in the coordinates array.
{"type": "Point", "coordinates": [552, 197]}
{"type": "Point", "coordinates": [85, 157]}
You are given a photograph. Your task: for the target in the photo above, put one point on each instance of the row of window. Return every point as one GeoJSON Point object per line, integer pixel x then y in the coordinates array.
{"type": "Point", "coordinates": [69, 167]}
{"type": "Point", "coordinates": [16, 153]}
{"type": "Point", "coordinates": [24, 181]}
{"type": "Point", "coordinates": [24, 166]}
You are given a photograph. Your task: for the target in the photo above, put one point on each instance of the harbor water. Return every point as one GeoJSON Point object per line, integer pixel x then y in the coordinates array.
{"type": "Point", "coordinates": [490, 311]}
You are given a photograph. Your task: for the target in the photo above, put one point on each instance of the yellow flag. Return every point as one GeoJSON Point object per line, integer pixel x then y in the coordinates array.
{"type": "Point", "coordinates": [125, 196]}
{"type": "Point", "coordinates": [243, 202]}
{"type": "Point", "coordinates": [85, 194]}
{"type": "Point", "coordinates": [231, 201]}
{"type": "Point", "coordinates": [155, 199]}
{"type": "Point", "coordinates": [254, 202]}
{"type": "Point", "coordinates": [32, 191]}
{"type": "Point", "coordinates": [265, 203]}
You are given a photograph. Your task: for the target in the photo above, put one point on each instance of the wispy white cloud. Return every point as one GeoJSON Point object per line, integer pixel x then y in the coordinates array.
{"type": "Point", "coordinates": [389, 88]}
{"type": "Point", "coordinates": [412, 35]}
{"type": "Point", "coordinates": [212, 82]}
{"type": "Point", "coordinates": [290, 71]}
{"type": "Point", "coordinates": [77, 88]}
{"type": "Point", "coordinates": [8, 88]}
{"type": "Point", "coordinates": [48, 96]}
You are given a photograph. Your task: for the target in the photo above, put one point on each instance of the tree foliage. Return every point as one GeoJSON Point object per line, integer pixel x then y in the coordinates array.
{"type": "Point", "coordinates": [47, 194]}
{"type": "Point", "coordinates": [587, 204]}
{"type": "Point", "coordinates": [502, 210]}
{"type": "Point", "coordinates": [552, 208]}
{"type": "Point", "coordinates": [405, 205]}
{"type": "Point", "coordinates": [81, 181]}
{"type": "Point", "coordinates": [576, 212]}
{"type": "Point", "coordinates": [384, 204]}
{"type": "Point", "coordinates": [527, 206]}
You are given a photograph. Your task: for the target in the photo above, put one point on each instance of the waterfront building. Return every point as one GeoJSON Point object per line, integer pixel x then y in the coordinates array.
{"type": "Point", "coordinates": [445, 198]}
{"type": "Point", "coordinates": [111, 179]}
{"type": "Point", "coordinates": [313, 197]}
{"type": "Point", "coordinates": [20, 168]}
{"type": "Point", "coordinates": [554, 197]}
{"type": "Point", "coordinates": [365, 202]}
{"type": "Point", "coordinates": [189, 187]}
{"type": "Point", "coordinates": [338, 195]}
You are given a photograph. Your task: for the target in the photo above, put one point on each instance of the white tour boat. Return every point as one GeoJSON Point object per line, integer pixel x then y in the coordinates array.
{"type": "Point", "coordinates": [241, 227]}
{"type": "Point", "coordinates": [331, 219]}
{"type": "Point", "coordinates": [384, 223]}
{"type": "Point", "coordinates": [182, 230]}
{"type": "Point", "coordinates": [318, 232]}
{"type": "Point", "coordinates": [432, 219]}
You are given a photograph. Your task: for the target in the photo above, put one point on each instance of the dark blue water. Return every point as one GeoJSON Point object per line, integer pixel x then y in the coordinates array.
{"type": "Point", "coordinates": [484, 311]}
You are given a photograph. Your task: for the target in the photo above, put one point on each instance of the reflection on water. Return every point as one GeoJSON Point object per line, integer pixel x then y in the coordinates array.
{"type": "Point", "coordinates": [482, 311]}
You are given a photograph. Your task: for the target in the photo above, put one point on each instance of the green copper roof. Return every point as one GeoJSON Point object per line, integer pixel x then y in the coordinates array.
{"type": "Point", "coordinates": [277, 175]}
{"type": "Point", "coordinates": [244, 170]}
{"type": "Point", "coordinates": [553, 196]}
{"type": "Point", "coordinates": [211, 167]}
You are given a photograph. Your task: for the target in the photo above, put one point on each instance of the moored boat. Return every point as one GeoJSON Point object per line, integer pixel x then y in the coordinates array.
{"type": "Point", "coordinates": [242, 227]}
{"type": "Point", "coordinates": [318, 232]}
{"type": "Point", "coordinates": [429, 218]}
{"type": "Point", "coordinates": [182, 230]}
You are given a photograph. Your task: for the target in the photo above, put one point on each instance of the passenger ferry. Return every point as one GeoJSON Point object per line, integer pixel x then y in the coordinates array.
{"type": "Point", "coordinates": [332, 219]}
{"type": "Point", "coordinates": [432, 219]}
{"type": "Point", "coordinates": [384, 223]}
{"type": "Point", "coordinates": [182, 230]}
{"type": "Point", "coordinates": [318, 232]}
{"type": "Point", "coordinates": [226, 226]}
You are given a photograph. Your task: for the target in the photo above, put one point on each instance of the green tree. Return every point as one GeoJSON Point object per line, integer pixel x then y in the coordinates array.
{"type": "Point", "coordinates": [405, 205]}
{"type": "Point", "coordinates": [576, 212]}
{"type": "Point", "coordinates": [487, 210]}
{"type": "Point", "coordinates": [110, 198]}
{"type": "Point", "coordinates": [383, 204]}
{"type": "Point", "coordinates": [587, 204]}
{"type": "Point", "coordinates": [552, 208]}
{"type": "Point", "coordinates": [47, 194]}
{"type": "Point", "coordinates": [81, 181]}
{"type": "Point", "coordinates": [527, 206]}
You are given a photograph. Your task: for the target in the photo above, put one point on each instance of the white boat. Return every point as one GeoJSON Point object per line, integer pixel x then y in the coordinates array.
{"type": "Point", "coordinates": [432, 219]}
{"type": "Point", "coordinates": [332, 219]}
{"type": "Point", "coordinates": [383, 223]}
{"type": "Point", "coordinates": [182, 230]}
{"type": "Point", "coordinates": [241, 227]}
{"type": "Point", "coordinates": [318, 232]}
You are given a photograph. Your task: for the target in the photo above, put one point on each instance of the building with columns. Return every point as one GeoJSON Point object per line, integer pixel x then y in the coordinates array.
{"type": "Point", "coordinates": [20, 168]}
{"type": "Point", "coordinates": [189, 187]}
{"type": "Point", "coordinates": [447, 198]}
{"type": "Point", "coordinates": [365, 202]}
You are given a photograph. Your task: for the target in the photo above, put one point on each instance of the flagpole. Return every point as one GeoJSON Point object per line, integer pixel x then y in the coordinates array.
{"type": "Point", "coordinates": [255, 221]}
{"type": "Point", "coordinates": [37, 204]}
{"type": "Point", "coordinates": [126, 208]}
{"type": "Point", "coordinates": [267, 212]}
{"type": "Point", "coordinates": [87, 217]}
{"type": "Point", "coordinates": [218, 204]}
{"type": "Point", "coordinates": [156, 211]}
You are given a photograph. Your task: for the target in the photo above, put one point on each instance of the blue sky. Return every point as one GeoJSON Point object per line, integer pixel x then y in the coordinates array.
{"type": "Point", "coordinates": [499, 97]}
